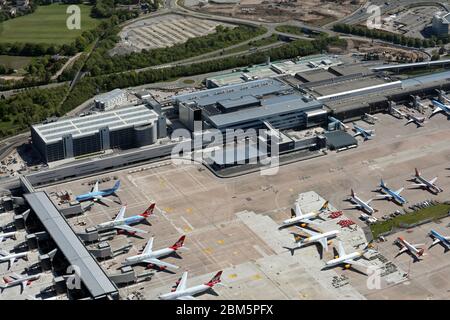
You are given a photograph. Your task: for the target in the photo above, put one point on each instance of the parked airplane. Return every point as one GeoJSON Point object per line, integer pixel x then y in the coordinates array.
{"type": "Point", "coordinates": [99, 195]}
{"type": "Point", "coordinates": [360, 204]}
{"type": "Point", "coordinates": [414, 249]}
{"type": "Point", "coordinates": [15, 279]}
{"type": "Point", "coordinates": [183, 293]}
{"type": "Point", "coordinates": [440, 107]}
{"type": "Point", "coordinates": [365, 133]}
{"type": "Point", "coordinates": [348, 260]}
{"type": "Point", "coordinates": [12, 257]}
{"type": "Point", "coordinates": [151, 257]}
{"type": "Point", "coordinates": [317, 237]}
{"type": "Point", "coordinates": [300, 217]}
{"type": "Point", "coordinates": [123, 224]}
{"type": "Point", "coordinates": [419, 121]}
{"type": "Point", "coordinates": [424, 183]}
{"type": "Point", "coordinates": [438, 238]}
{"type": "Point", "coordinates": [391, 194]}
{"type": "Point", "coordinates": [6, 235]}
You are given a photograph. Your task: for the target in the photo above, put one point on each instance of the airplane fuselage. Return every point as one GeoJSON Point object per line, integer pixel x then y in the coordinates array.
{"type": "Point", "coordinates": [432, 187]}
{"type": "Point", "coordinates": [363, 205]}
{"type": "Point", "coordinates": [93, 195]}
{"type": "Point", "coordinates": [155, 254]}
{"type": "Point", "coordinates": [329, 234]}
{"type": "Point", "coordinates": [300, 219]}
{"type": "Point", "coordinates": [20, 281]}
{"type": "Point", "coordinates": [341, 260]}
{"type": "Point", "coordinates": [441, 238]}
{"type": "Point", "coordinates": [187, 292]}
{"type": "Point", "coordinates": [409, 246]}
{"type": "Point", "coordinates": [5, 235]}
{"type": "Point", "coordinates": [126, 221]}
{"type": "Point", "coordinates": [441, 107]}
{"type": "Point", "coordinates": [13, 255]}
{"type": "Point", "coordinates": [397, 197]}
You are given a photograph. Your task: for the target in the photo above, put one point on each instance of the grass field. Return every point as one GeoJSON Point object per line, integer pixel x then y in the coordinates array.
{"type": "Point", "coordinates": [14, 62]}
{"type": "Point", "coordinates": [434, 212]}
{"type": "Point", "coordinates": [46, 25]}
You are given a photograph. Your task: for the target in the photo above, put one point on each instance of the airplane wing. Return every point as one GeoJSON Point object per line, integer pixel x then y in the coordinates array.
{"type": "Point", "coordinates": [341, 250]}
{"type": "Point", "coordinates": [384, 196]}
{"type": "Point", "coordinates": [308, 221]}
{"type": "Point", "coordinates": [399, 190]}
{"type": "Point", "coordinates": [11, 262]}
{"type": "Point", "coordinates": [101, 198]}
{"type": "Point", "coordinates": [183, 282]}
{"type": "Point", "coordinates": [298, 211]}
{"type": "Point", "coordinates": [355, 263]}
{"type": "Point", "coordinates": [121, 213]}
{"type": "Point", "coordinates": [403, 249]}
{"type": "Point", "coordinates": [160, 263]}
{"type": "Point", "coordinates": [324, 243]}
{"type": "Point", "coordinates": [432, 181]}
{"type": "Point", "coordinates": [95, 187]}
{"type": "Point", "coordinates": [23, 285]}
{"type": "Point", "coordinates": [435, 242]}
{"type": "Point", "coordinates": [186, 298]}
{"type": "Point", "coordinates": [130, 229]}
{"type": "Point", "coordinates": [148, 247]}
{"type": "Point", "coordinates": [310, 232]}
{"type": "Point", "coordinates": [418, 185]}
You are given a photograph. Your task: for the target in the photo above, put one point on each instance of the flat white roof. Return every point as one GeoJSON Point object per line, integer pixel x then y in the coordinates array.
{"type": "Point", "coordinates": [88, 125]}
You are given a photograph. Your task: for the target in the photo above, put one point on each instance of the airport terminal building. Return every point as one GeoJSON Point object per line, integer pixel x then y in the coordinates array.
{"type": "Point", "coordinates": [124, 128]}
{"type": "Point", "coordinates": [249, 105]}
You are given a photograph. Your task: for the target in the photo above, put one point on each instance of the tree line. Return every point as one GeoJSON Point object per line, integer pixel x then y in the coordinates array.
{"type": "Point", "coordinates": [399, 39]}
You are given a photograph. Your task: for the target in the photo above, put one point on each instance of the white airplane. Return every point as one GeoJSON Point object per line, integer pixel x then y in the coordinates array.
{"type": "Point", "coordinates": [440, 107]}
{"type": "Point", "coordinates": [12, 257]}
{"type": "Point", "coordinates": [151, 257]}
{"type": "Point", "coordinates": [123, 224]}
{"type": "Point", "coordinates": [183, 293]}
{"type": "Point", "coordinates": [419, 121]}
{"type": "Point", "coordinates": [365, 133]}
{"type": "Point", "coordinates": [5, 235]}
{"type": "Point", "coordinates": [317, 237]}
{"type": "Point", "coordinates": [424, 183]}
{"type": "Point", "coordinates": [15, 279]}
{"type": "Point", "coordinates": [348, 260]}
{"type": "Point", "coordinates": [414, 249]}
{"type": "Point", "coordinates": [300, 217]}
{"type": "Point", "coordinates": [360, 204]}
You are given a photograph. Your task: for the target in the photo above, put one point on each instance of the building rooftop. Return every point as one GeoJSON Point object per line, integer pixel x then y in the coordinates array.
{"type": "Point", "coordinates": [109, 95]}
{"type": "Point", "coordinates": [83, 126]}
{"type": "Point", "coordinates": [269, 107]}
{"type": "Point", "coordinates": [232, 92]}
{"type": "Point", "coordinates": [92, 275]}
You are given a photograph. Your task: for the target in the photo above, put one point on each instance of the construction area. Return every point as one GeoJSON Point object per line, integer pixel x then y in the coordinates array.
{"type": "Point", "coordinates": [313, 12]}
{"type": "Point", "coordinates": [410, 22]}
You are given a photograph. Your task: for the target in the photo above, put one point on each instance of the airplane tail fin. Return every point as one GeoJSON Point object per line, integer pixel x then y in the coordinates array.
{"type": "Point", "coordinates": [7, 279]}
{"type": "Point", "coordinates": [382, 184]}
{"type": "Point", "coordinates": [215, 280]}
{"type": "Point", "coordinates": [324, 206]}
{"type": "Point", "coordinates": [352, 193]}
{"type": "Point", "coordinates": [116, 185]}
{"type": "Point", "coordinates": [417, 172]}
{"type": "Point", "coordinates": [149, 211]}
{"type": "Point", "coordinates": [179, 243]}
